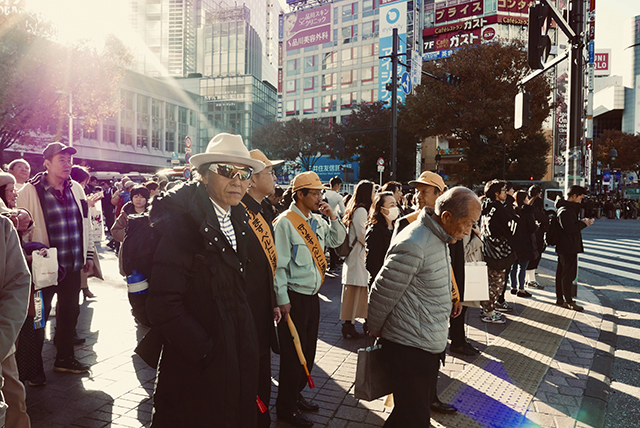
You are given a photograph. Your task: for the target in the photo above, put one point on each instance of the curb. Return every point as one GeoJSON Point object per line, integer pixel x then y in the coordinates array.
{"type": "Point", "coordinates": [596, 395]}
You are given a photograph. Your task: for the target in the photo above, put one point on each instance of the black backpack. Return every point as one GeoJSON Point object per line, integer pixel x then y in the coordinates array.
{"type": "Point", "coordinates": [139, 245]}
{"type": "Point", "coordinates": [552, 235]}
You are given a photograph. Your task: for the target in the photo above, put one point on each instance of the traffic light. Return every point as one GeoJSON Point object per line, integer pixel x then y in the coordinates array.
{"type": "Point", "coordinates": [539, 43]}
{"type": "Point", "coordinates": [451, 80]}
{"type": "Point", "coordinates": [338, 147]}
{"type": "Point", "coordinates": [522, 115]}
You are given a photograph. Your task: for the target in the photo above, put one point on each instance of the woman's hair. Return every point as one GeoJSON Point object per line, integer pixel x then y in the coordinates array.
{"type": "Point", "coordinates": [140, 190]}
{"type": "Point", "coordinates": [3, 196]}
{"type": "Point", "coordinates": [520, 197]}
{"type": "Point", "coordinates": [79, 173]}
{"type": "Point", "coordinates": [151, 185]}
{"type": "Point", "coordinates": [361, 198]}
{"type": "Point", "coordinates": [375, 215]}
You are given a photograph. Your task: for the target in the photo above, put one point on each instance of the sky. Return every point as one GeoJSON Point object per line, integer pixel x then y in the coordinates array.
{"type": "Point", "coordinates": [94, 19]}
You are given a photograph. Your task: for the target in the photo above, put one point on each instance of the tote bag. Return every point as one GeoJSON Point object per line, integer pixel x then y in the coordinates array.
{"type": "Point", "coordinates": [44, 267]}
{"type": "Point", "coordinates": [372, 374]}
{"type": "Point", "coordinates": [476, 282]}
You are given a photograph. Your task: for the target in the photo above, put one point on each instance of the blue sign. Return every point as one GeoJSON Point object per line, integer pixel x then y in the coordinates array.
{"type": "Point", "coordinates": [429, 56]}
{"type": "Point", "coordinates": [592, 52]}
{"type": "Point", "coordinates": [606, 176]}
{"type": "Point", "coordinates": [327, 168]}
{"type": "Point", "coordinates": [393, 14]}
{"type": "Point", "coordinates": [405, 83]}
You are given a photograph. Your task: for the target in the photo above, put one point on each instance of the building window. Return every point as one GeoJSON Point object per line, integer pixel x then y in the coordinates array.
{"type": "Point", "coordinates": [370, 29]}
{"type": "Point", "coordinates": [329, 82]}
{"type": "Point", "coordinates": [350, 34]}
{"type": "Point", "coordinates": [329, 60]}
{"type": "Point", "coordinates": [310, 63]}
{"type": "Point", "coordinates": [310, 106]}
{"type": "Point", "coordinates": [347, 99]}
{"type": "Point", "coordinates": [370, 53]}
{"type": "Point", "coordinates": [369, 96]}
{"type": "Point", "coordinates": [292, 86]}
{"type": "Point", "coordinates": [328, 103]}
{"type": "Point", "coordinates": [292, 108]}
{"type": "Point", "coordinates": [369, 7]}
{"type": "Point", "coordinates": [349, 12]}
{"type": "Point", "coordinates": [310, 84]}
{"type": "Point", "coordinates": [349, 56]}
{"type": "Point", "coordinates": [292, 67]}
{"type": "Point", "coordinates": [367, 74]}
{"type": "Point", "coordinates": [170, 134]}
{"type": "Point", "coordinates": [348, 79]}
{"type": "Point", "coordinates": [109, 131]}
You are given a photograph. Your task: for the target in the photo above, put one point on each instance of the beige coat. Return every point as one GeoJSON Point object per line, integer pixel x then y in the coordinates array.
{"type": "Point", "coordinates": [354, 270]}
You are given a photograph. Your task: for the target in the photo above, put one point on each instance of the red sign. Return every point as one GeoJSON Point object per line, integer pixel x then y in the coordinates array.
{"type": "Point", "coordinates": [488, 33]}
{"type": "Point", "coordinates": [458, 40]}
{"type": "Point", "coordinates": [381, 161]}
{"type": "Point", "coordinates": [279, 80]}
{"type": "Point", "coordinates": [453, 13]}
{"type": "Point", "coordinates": [476, 23]}
{"type": "Point", "coordinates": [602, 61]}
{"type": "Point", "coordinates": [514, 6]}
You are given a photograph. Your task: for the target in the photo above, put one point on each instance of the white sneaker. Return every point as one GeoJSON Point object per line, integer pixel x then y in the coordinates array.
{"type": "Point", "coordinates": [494, 318]}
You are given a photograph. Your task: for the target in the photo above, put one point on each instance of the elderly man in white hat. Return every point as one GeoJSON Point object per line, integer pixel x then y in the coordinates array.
{"type": "Point", "coordinates": [197, 301]}
{"type": "Point", "coordinates": [301, 236]}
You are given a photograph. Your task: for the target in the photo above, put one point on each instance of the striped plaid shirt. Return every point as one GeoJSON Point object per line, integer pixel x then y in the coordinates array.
{"type": "Point", "coordinates": [64, 225]}
{"type": "Point", "coordinates": [224, 218]}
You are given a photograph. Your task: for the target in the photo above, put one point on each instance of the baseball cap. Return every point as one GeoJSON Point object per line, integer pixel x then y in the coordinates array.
{"type": "Point", "coordinates": [53, 149]}
{"type": "Point", "coordinates": [307, 180]}
{"type": "Point", "coordinates": [258, 155]}
{"type": "Point", "coordinates": [431, 179]}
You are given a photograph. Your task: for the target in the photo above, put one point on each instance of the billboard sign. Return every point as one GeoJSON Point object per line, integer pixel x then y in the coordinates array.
{"type": "Point", "coordinates": [393, 14]}
{"type": "Point", "coordinates": [602, 62]}
{"type": "Point", "coordinates": [308, 27]}
{"type": "Point", "coordinates": [514, 6]}
{"type": "Point", "coordinates": [460, 11]}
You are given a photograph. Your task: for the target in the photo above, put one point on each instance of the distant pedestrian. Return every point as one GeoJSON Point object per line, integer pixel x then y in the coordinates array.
{"type": "Point", "coordinates": [525, 244]}
{"type": "Point", "coordinates": [569, 245]}
{"type": "Point", "coordinates": [336, 202]}
{"type": "Point", "coordinates": [413, 286]}
{"type": "Point", "coordinates": [208, 370]}
{"type": "Point", "coordinates": [355, 277]}
{"type": "Point", "coordinates": [21, 170]}
{"type": "Point", "coordinates": [542, 220]}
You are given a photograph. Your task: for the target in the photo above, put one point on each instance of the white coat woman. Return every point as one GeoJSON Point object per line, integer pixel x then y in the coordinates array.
{"type": "Point", "coordinates": [355, 278]}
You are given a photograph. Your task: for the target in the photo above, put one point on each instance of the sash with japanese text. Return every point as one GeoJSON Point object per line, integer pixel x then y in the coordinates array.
{"type": "Point", "coordinates": [310, 238]}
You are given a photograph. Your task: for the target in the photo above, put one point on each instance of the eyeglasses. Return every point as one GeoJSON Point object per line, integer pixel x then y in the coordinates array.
{"type": "Point", "coordinates": [316, 194]}
{"type": "Point", "coordinates": [231, 171]}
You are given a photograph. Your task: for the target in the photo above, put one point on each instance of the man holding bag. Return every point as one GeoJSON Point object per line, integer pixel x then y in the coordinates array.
{"type": "Point", "coordinates": [61, 220]}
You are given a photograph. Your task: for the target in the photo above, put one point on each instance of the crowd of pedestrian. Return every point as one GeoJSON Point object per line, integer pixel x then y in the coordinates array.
{"type": "Point", "coordinates": [225, 269]}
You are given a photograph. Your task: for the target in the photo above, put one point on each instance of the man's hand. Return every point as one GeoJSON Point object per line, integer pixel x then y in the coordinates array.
{"type": "Point", "coordinates": [284, 310]}
{"type": "Point", "coordinates": [325, 209]}
{"type": "Point", "coordinates": [88, 267]}
{"type": "Point", "coordinates": [588, 221]}
{"type": "Point", "coordinates": [277, 314]}
{"type": "Point", "coordinates": [456, 310]}
{"type": "Point", "coordinates": [24, 220]}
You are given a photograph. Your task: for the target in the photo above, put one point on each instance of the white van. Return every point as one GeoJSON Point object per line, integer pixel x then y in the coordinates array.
{"type": "Point", "coordinates": [550, 196]}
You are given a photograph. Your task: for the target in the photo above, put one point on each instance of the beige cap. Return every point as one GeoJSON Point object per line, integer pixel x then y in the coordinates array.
{"type": "Point", "coordinates": [307, 180]}
{"type": "Point", "coordinates": [431, 179]}
{"type": "Point", "coordinates": [258, 155]}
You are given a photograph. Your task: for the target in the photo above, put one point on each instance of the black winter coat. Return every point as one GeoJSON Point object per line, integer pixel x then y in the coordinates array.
{"type": "Point", "coordinates": [570, 239]}
{"type": "Point", "coordinates": [207, 375]}
{"type": "Point", "coordinates": [378, 238]}
{"type": "Point", "coordinates": [525, 244]}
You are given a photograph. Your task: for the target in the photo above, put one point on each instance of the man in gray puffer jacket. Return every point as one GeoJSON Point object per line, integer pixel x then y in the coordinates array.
{"type": "Point", "coordinates": [410, 303]}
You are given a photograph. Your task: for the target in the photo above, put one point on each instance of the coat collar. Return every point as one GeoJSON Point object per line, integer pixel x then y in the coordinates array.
{"type": "Point", "coordinates": [434, 227]}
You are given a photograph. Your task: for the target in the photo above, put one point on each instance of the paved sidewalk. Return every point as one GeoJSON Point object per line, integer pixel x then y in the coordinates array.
{"type": "Point", "coordinates": [118, 391]}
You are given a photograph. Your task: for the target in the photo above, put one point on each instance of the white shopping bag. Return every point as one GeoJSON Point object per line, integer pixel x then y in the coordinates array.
{"type": "Point", "coordinates": [476, 282]}
{"type": "Point", "coordinates": [44, 267]}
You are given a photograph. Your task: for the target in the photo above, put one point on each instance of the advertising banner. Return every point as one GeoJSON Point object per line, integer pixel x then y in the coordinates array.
{"type": "Point", "coordinates": [455, 12]}
{"type": "Point", "coordinates": [308, 28]}
{"type": "Point", "coordinates": [393, 14]}
{"type": "Point", "coordinates": [514, 6]}
{"type": "Point", "coordinates": [602, 62]}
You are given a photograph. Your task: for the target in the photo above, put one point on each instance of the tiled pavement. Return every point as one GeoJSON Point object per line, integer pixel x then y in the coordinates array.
{"type": "Point", "coordinates": [118, 391]}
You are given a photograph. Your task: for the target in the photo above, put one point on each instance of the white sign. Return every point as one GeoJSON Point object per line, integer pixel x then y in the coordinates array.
{"type": "Point", "coordinates": [416, 68]}
{"type": "Point", "coordinates": [187, 142]}
{"type": "Point", "coordinates": [380, 168]}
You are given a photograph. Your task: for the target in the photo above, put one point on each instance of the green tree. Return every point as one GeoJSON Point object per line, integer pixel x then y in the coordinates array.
{"type": "Point", "coordinates": [304, 140]}
{"type": "Point", "coordinates": [627, 146]}
{"type": "Point", "coordinates": [367, 137]}
{"type": "Point", "coordinates": [481, 110]}
{"type": "Point", "coordinates": [36, 76]}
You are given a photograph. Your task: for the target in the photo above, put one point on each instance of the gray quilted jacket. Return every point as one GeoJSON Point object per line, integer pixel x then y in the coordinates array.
{"type": "Point", "coordinates": [410, 300]}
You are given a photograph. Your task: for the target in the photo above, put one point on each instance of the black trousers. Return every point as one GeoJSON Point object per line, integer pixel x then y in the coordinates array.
{"type": "Point", "coordinates": [68, 291]}
{"type": "Point", "coordinates": [456, 328]}
{"type": "Point", "coordinates": [414, 375]}
{"type": "Point", "coordinates": [566, 273]}
{"type": "Point", "coordinates": [264, 387]}
{"type": "Point", "coordinates": [305, 313]}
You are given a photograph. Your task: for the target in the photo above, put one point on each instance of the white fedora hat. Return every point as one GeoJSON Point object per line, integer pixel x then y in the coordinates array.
{"type": "Point", "coordinates": [227, 148]}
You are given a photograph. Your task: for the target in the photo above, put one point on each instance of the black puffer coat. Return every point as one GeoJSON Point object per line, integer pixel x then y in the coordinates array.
{"type": "Point", "coordinates": [207, 375]}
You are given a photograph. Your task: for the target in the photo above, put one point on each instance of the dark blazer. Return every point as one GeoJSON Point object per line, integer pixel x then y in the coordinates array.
{"type": "Point", "coordinates": [525, 244]}
{"type": "Point", "coordinates": [377, 239]}
{"type": "Point", "coordinates": [209, 365]}
{"type": "Point", "coordinates": [570, 239]}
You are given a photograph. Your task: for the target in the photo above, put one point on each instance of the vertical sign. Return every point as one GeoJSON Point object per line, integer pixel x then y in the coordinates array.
{"type": "Point", "coordinates": [637, 121]}
{"type": "Point", "coordinates": [393, 14]}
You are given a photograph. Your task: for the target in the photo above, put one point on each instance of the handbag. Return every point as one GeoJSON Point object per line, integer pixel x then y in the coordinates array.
{"type": "Point", "coordinates": [44, 267]}
{"type": "Point", "coordinates": [498, 253]}
{"type": "Point", "coordinates": [476, 284]}
{"type": "Point", "coordinates": [372, 373]}
{"type": "Point", "coordinates": [347, 245]}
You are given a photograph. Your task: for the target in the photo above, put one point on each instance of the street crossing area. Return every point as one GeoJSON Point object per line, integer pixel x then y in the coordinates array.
{"type": "Point", "coordinates": [617, 257]}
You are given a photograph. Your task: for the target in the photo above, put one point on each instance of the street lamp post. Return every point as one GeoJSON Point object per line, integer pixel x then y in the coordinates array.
{"type": "Point", "coordinates": [613, 154]}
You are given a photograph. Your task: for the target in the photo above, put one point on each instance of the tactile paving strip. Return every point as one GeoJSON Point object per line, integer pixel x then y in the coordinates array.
{"type": "Point", "coordinates": [496, 389]}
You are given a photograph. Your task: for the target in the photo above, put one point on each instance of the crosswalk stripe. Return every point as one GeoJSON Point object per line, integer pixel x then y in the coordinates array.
{"type": "Point", "coordinates": [610, 254]}
{"type": "Point", "coordinates": [596, 267]}
{"type": "Point", "coordinates": [615, 242]}
{"type": "Point", "coordinates": [610, 262]}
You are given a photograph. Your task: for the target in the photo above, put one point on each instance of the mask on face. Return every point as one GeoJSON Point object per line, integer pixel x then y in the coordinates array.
{"type": "Point", "coordinates": [393, 214]}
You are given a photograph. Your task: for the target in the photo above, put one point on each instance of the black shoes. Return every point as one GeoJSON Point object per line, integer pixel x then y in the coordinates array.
{"type": "Point", "coordinates": [524, 293]}
{"type": "Point", "coordinates": [296, 419]}
{"type": "Point", "coordinates": [303, 404]}
{"type": "Point", "coordinates": [349, 329]}
{"type": "Point", "coordinates": [573, 306]}
{"type": "Point", "coordinates": [440, 407]}
{"type": "Point", "coordinates": [70, 365]}
{"type": "Point", "coordinates": [465, 349]}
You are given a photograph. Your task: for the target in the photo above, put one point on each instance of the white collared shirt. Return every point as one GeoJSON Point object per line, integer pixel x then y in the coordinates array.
{"type": "Point", "coordinates": [224, 218]}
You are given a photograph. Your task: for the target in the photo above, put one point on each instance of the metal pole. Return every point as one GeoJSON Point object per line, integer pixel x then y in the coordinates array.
{"type": "Point", "coordinates": [576, 95]}
{"type": "Point", "coordinates": [394, 104]}
{"type": "Point", "coordinates": [504, 162]}
{"type": "Point", "coordinates": [70, 119]}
